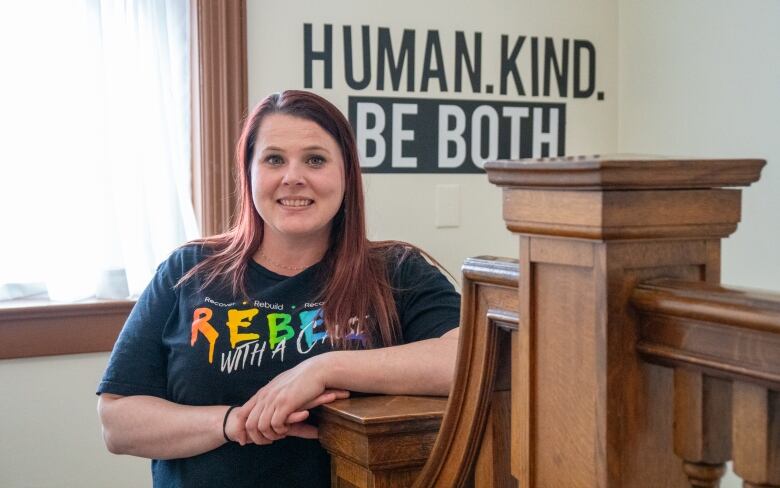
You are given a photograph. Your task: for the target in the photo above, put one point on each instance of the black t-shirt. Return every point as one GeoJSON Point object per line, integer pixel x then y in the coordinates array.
{"type": "Point", "coordinates": [209, 348]}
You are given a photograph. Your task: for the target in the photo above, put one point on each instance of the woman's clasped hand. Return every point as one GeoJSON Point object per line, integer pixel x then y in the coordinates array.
{"type": "Point", "coordinates": [280, 408]}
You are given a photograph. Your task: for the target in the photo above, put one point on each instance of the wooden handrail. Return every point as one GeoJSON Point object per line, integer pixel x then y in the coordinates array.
{"type": "Point", "coordinates": [697, 300]}
{"type": "Point", "coordinates": [378, 441]}
{"type": "Point", "coordinates": [698, 324]}
{"type": "Point", "coordinates": [724, 346]}
{"type": "Point", "coordinates": [489, 304]}
{"type": "Point", "coordinates": [563, 374]}
{"type": "Point", "coordinates": [384, 440]}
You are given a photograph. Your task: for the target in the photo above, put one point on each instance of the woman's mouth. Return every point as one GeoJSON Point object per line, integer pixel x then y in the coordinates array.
{"type": "Point", "coordinates": [295, 202]}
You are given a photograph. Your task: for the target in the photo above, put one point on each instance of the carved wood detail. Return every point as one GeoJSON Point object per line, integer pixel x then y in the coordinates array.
{"type": "Point", "coordinates": [562, 376]}
{"type": "Point", "coordinates": [379, 441]}
{"type": "Point", "coordinates": [488, 305]}
{"type": "Point", "coordinates": [702, 431]}
{"type": "Point", "coordinates": [724, 331]}
{"type": "Point", "coordinates": [756, 431]}
{"type": "Point", "coordinates": [619, 172]}
{"type": "Point", "coordinates": [719, 339]}
{"type": "Point", "coordinates": [586, 410]}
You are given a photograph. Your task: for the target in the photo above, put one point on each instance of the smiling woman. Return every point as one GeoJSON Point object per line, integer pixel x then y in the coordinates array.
{"type": "Point", "coordinates": [239, 335]}
{"type": "Point", "coordinates": [297, 188]}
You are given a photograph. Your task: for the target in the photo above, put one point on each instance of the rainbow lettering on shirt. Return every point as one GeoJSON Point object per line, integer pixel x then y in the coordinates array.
{"type": "Point", "coordinates": [252, 331]}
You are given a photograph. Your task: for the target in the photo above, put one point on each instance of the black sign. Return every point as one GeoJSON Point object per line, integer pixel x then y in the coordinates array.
{"type": "Point", "coordinates": [414, 135]}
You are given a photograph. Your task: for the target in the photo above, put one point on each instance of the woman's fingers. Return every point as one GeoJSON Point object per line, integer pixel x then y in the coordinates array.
{"type": "Point", "coordinates": [307, 431]}
{"type": "Point", "coordinates": [251, 426]}
{"type": "Point", "coordinates": [296, 417]}
{"type": "Point", "coordinates": [327, 396]}
{"type": "Point", "coordinates": [264, 425]}
{"type": "Point", "coordinates": [280, 422]}
{"type": "Point", "coordinates": [340, 394]}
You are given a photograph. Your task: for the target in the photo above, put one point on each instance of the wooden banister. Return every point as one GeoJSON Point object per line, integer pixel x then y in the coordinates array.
{"type": "Point", "coordinates": [384, 440]}
{"type": "Point", "coordinates": [478, 400]}
{"type": "Point", "coordinates": [608, 355]}
{"type": "Point", "coordinates": [379, 441]}
{"type": "Point", "coordinates": [711, 334]}
{"type": "Point", "coordinates": [586, 410]}
{"type": "Point", "coordinates": [707, 302]}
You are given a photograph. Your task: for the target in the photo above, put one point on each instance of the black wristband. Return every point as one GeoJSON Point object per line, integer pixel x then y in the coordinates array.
{"type": "Point", "coordinates": [224, 422]}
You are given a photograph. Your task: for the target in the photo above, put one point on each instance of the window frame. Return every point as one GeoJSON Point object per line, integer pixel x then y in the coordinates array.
{"type": "Point", "coordinates": [31, 328]}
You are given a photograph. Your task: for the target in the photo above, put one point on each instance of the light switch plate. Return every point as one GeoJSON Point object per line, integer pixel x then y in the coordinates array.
{"type": "Point", "coordinates": [447, 206]}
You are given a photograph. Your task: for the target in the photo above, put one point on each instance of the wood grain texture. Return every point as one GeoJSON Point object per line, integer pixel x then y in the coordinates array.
{"type": "Point", "coordinates": [702, 431]}
{"type": "Point", "coordinates": [726, 331]}
{"type": "Point", "coordinates": [564, 406]}
{"type": "Point", "coordinates": [639, 395]}
{"type": "Point", "coordinates": [346, 474]}
{"type": "Point", "coordinates": [585, 408]}
{"type": "Point", "coordinates": [745, 308]}
{"type": "Point", "coordinates": [702, 410]}
{"type": "Point", "coordinates": [489, 302]}
{"type": "Point", "coordinates": [492, 469]}
{"type": "Point", "coordinates": [623, 172]}
{"type": "Point", "coordinates": [523, 379]}
{"type": "Point", "coordinates": [381, 433]}
{"type": "Point", "coordinates": [582, 329]}
{"type": "Point", "coordinates": [51, 329]}
{"type": "Point", "coordinates": [622, 214]}
{"type": "Point", "coordinates": [756, 434]}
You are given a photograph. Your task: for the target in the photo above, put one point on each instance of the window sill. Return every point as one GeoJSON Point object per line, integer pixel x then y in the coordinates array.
{"type": "Point", "coordinates": [30, 328]}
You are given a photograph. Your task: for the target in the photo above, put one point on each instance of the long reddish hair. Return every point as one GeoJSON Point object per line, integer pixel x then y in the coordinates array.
{"type": "Point", "coordinates": [355, 270]}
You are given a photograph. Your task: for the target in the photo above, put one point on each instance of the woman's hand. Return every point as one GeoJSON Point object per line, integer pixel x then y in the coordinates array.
{"type": "Point", "coordinates": [235, 428]}
{"type": "Point", "coordinates": [268, 412]}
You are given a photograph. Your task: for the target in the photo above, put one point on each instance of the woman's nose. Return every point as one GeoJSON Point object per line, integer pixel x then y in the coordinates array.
{"type": "Point", "coordinates": [293, 175]}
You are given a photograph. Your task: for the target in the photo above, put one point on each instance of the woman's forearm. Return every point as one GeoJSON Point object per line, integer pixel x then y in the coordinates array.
{"type": "Point", "coordinates": [419, 368]}
{"type": "Point", "coordinates": [154, 428]}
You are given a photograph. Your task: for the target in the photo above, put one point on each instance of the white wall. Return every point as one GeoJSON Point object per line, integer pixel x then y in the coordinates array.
{"type": "Point", "coordinates": [702, 78]}
{"type": "Point", "coordinates": [403, 206]}
{"type": "Point", "coordinates": [49, 431]}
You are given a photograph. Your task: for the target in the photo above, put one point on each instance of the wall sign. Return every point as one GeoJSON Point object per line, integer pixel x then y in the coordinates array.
{"type": "Point", "coordinates": [407, 132]}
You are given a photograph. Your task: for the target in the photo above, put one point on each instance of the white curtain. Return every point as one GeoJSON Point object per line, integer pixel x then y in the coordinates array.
{"type": "Point", "coordinates": [95, 151]}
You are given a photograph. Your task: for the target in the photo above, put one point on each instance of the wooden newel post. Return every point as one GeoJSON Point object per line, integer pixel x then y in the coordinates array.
{"type": "Point", "coordinates": [586, 411]}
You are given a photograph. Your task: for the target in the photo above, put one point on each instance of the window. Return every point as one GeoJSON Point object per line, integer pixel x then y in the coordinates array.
{"type": "Point", "coordinates": [95, 187]}
{"type": "Point", "coordinates": [35, 100]}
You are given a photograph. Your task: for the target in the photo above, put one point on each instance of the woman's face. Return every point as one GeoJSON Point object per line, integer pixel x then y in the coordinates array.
{"type": "Point", "coordinates": [297, 177]}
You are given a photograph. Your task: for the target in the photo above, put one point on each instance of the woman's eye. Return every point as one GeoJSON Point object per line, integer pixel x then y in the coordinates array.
{"type": "Point", "coordinates": [274, 160]}
{"type": "Point", "coordinates": [316, 161]}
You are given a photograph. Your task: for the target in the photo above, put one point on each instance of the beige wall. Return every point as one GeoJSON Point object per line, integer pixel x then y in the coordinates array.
{"type": "Point", "coordinates": [701, 78]}
{"type": "Point", "coordinates": [49, 431]}
{"type": "Point", "coordinates": [403, 206]}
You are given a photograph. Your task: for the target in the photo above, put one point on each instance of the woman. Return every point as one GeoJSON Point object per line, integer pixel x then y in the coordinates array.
{"type": "Point", "coordinates": [240, 334]}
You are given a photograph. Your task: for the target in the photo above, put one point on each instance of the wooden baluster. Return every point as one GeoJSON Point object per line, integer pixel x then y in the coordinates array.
{"type": "Point", "coordinates": [702, 434]}
{"type": "Point", "coordinates": [756, 434]}
{"type": "Point", "coordinates": [492, 469]}
{"type": "Point", "coordinates": [488, 315]}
